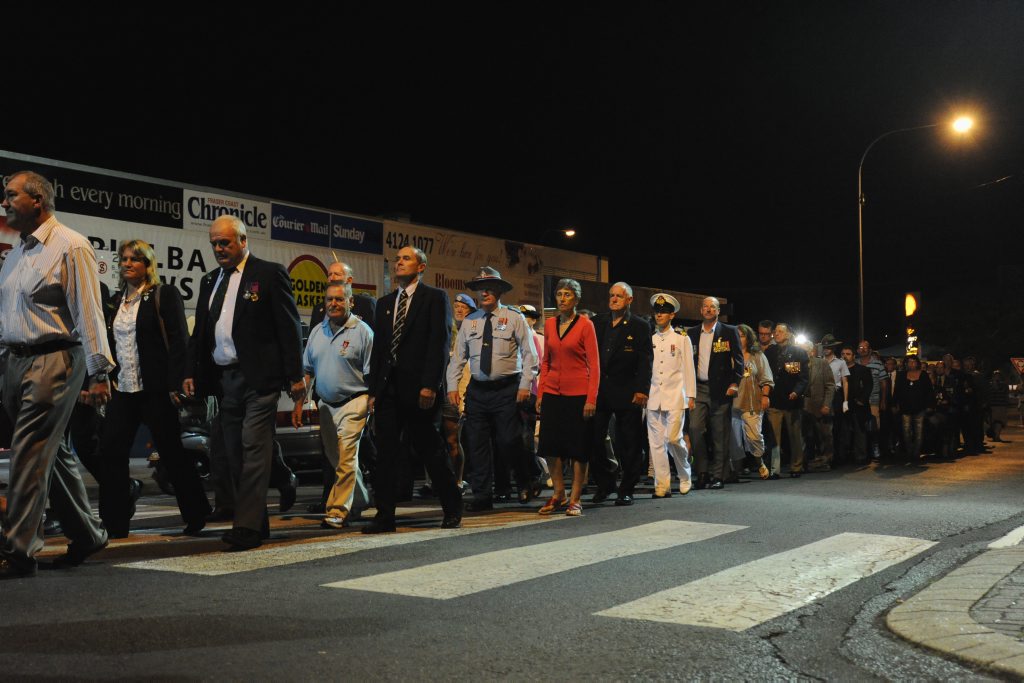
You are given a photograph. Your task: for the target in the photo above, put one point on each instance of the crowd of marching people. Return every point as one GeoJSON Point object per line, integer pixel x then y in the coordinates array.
{"type": "Point", "coordinates": [476, 392]}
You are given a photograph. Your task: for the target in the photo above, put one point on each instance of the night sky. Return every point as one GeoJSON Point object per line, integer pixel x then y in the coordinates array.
{"type": "Point", "coordinates": [710, 150]}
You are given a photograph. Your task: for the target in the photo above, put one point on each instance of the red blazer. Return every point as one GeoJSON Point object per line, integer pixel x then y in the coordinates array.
{"type": "Point", "coordinates": [571, 366]}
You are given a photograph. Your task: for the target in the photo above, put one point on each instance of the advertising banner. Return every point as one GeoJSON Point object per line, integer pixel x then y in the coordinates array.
{"type": "Point", "coordinates": [94, 194]}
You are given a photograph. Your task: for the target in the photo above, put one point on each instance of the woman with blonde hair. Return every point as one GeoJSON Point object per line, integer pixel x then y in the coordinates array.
{"type": "Point", "coordinates": [148, 337]}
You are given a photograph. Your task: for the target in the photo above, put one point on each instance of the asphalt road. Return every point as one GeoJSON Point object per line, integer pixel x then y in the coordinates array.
{"type": "Point", "coordinates": [760, 581]}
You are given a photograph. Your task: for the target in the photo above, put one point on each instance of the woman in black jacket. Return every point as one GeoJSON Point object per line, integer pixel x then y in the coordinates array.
{"type": "Point", "coordinates": [148, 337]}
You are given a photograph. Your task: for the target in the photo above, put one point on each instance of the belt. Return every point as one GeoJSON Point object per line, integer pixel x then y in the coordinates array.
{"type": "Point", "coordinates": [26, 350]}
{"type": "Point", "coordinates": [338, 404]}
{"type": "Point", "coordinates": [703, 381]}
{"type": "Point", "coordinates": [495, 384]}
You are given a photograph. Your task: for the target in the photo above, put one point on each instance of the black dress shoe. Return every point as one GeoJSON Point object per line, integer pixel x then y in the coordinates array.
{"type": "Point", "coordinates": [479, 506]}
{"type": "Point", "coordinates": [221, 515]}
{"type": "Point", "coordinates": [732, 479]}
{"type": "Point", "coordinates": [624, 500]}
{"type": "Point", "coordinates": [379, 526]}
{"type": "Point", "coordinates": [503, 496]}
{"type": "Point", "coordinates": [77, 554]}
{"type": "Point", "coordinates": [317, 508]}
{"type": "Point", "coordinates": [451, 522]}
{"type": "Point", "coordinates": [194, 528]}
{"type": "Point", "coordinates": [134, 492]}
{"type": "Point", "coordinates": [702, 481]}
{"type": "Point", "coordinates": [794, 475]}
{"type": "Point", "coordinates": [288, 492]}
{"type": "Point", "coordinates": [52, 527]}
{"type": "Point", "coordinates": [774, 475]}
{"type": "Point", "coordinates": [601, 495]}
{"type": "Point", "coordinates": [240, 538]}
{"type": "Point", "coordinates": [716, 485]}
{"type": "Point", "coordinates": [11, 568]}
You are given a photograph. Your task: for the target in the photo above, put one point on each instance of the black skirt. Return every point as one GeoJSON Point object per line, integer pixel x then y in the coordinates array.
{"type": "Point", "coordinates": [563, 431]}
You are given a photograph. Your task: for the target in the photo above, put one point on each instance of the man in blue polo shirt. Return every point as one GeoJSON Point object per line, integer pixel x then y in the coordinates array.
{"type": "Point", "coordinates": [338, 358]}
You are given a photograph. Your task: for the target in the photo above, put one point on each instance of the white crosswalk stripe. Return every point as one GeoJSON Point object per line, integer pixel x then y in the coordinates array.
{"type": "Point", "coordinates": [468, 575]}
{"type": "Point", "coordinates": [220, 563]}
{"type": "Point", "coordinates": [757, 591]}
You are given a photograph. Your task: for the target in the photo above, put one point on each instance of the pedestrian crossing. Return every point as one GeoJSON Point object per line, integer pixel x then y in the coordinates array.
{"type": "Point", "coordinates": [761, 590]}
{"type": "Point", "coordinates": [468, 575]}
{"type": "Point", "coordinates": [745, 595]}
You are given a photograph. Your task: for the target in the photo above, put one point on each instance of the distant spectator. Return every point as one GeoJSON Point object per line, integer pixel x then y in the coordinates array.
{"type": "Point", "coordinates": [912, 397]}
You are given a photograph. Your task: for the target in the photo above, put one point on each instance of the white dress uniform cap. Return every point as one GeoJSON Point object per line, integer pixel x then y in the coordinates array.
{"type": "Point", "coordinates": [662, 299]}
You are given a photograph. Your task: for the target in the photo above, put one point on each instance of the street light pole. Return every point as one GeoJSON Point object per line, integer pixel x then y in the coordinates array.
{"type": "Point", "coordinates": [860, 219]}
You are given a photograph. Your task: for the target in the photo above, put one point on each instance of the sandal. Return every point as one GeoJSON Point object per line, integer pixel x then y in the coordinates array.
{"type": "Point", "coordinates": [574, 510]}
{"type": "Point", "coordinates": [551, 505]}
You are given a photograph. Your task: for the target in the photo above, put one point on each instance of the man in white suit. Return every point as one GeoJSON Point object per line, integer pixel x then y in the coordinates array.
{"type": "Point", "coordinates": [673, 387]}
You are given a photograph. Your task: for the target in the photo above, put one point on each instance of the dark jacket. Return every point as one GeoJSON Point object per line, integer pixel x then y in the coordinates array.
{"type": "Point", "coordinates": [161, 363]}
{"type": "Point", "coordinates": [725, 366]}
{"type": "Point", "coordinates": [423, 350]}
{"type": "Point", "coordinates": [626, 358]}
{"type": "Point", "coordinates": [861, 383]}
{"type": "Point", "coordinates": [790, 373]}
{"type": "Point", "coordinates": [265, 330]}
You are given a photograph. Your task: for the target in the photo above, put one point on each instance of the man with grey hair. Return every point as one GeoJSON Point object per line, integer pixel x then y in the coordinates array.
{"type": "Point", "coordinates": [719, 362]}
{"type": "Point", "coordinates": [624, 342]}
{"type": "Point", "coordinates": [245, 348]}
{"type": "Point", "coordinates": [363, 305]}
{"type": "Point", "coordinates": [52, 334]}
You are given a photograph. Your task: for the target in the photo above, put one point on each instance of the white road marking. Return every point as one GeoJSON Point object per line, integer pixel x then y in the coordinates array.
{"type": "Point", "coordinates": [220, 563]}
{"type": "Point", "coordinates": [741, 597]}
{"type": "Point", "coordinates": [468, 575]}
{"type": "Point", "coordinates": [1009, 540]}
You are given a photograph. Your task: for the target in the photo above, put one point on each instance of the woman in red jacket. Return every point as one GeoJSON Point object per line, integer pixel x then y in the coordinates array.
{"type": "Point", "coordinates": [569, 376]}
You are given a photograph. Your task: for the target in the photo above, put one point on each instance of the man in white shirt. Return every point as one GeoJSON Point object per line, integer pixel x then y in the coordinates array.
{"type": "Point", "coordinates": [673, 386]}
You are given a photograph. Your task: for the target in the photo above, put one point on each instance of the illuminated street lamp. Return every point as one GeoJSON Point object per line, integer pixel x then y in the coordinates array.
{"type": "Point", "coordinates": [961, 125]}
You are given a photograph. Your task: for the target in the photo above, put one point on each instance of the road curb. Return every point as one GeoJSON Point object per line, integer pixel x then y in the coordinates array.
{"type": "Point", "coordinates": [939, 617]}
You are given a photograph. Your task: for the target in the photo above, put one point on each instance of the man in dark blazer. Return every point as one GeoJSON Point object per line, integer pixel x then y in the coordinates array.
{"type": "Point", "coordinates": [626, 356]}
{"type": "Point", "coordinates": [718, 358]}
{"type": "Point", "coordinates": [363, 305]}
{"type": "Point", "coordinates": [410, 351]}
{"type": "Point", "coordinates": [245, 348]}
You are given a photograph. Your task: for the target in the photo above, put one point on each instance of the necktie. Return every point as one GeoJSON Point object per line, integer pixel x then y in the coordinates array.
{"type": "Point", "coordinates": [485, 351]}
{"type": "Point", "coordinates": [218, 297]}
{"type": "Point", "coordinates": [396, 334]}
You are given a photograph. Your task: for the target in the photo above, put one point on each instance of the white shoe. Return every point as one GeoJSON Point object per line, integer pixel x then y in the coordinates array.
{"type": "Point", "coordinates": [684, 487]}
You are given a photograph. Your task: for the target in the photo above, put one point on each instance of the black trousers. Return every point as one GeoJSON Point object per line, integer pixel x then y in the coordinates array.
{"type": "Point", "coordinates": [627, 446]}
{"type": "Point", "coordinates": [125, 413]}
{"type": "Point", "coordinates": [395, 416]}
{"type": "Point", "coordinates": [492, 412]}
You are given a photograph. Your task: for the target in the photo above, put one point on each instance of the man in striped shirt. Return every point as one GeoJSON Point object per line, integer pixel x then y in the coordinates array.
{"type": "Point", "coordinates": [52, 335]}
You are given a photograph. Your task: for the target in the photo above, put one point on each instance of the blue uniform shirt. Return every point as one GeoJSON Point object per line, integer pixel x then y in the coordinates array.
{"type": "Point", "coordinates": [513, 351]}
{"type": "Point", "coordinates": [340, 361]}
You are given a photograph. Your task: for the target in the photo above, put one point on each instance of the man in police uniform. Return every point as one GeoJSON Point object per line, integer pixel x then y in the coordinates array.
{"type": "Point", "coordinates": [673, 386]}
{"type": "Point", "coordinates": [497, 343]}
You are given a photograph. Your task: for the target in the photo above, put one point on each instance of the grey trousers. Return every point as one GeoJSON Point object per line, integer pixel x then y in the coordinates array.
{"type": "Point", "coordinates": [39, 393]}
{"type": "Point", "coordinates": [247, 426]}
{"type": "Point", "coordinates": [707, 413]}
